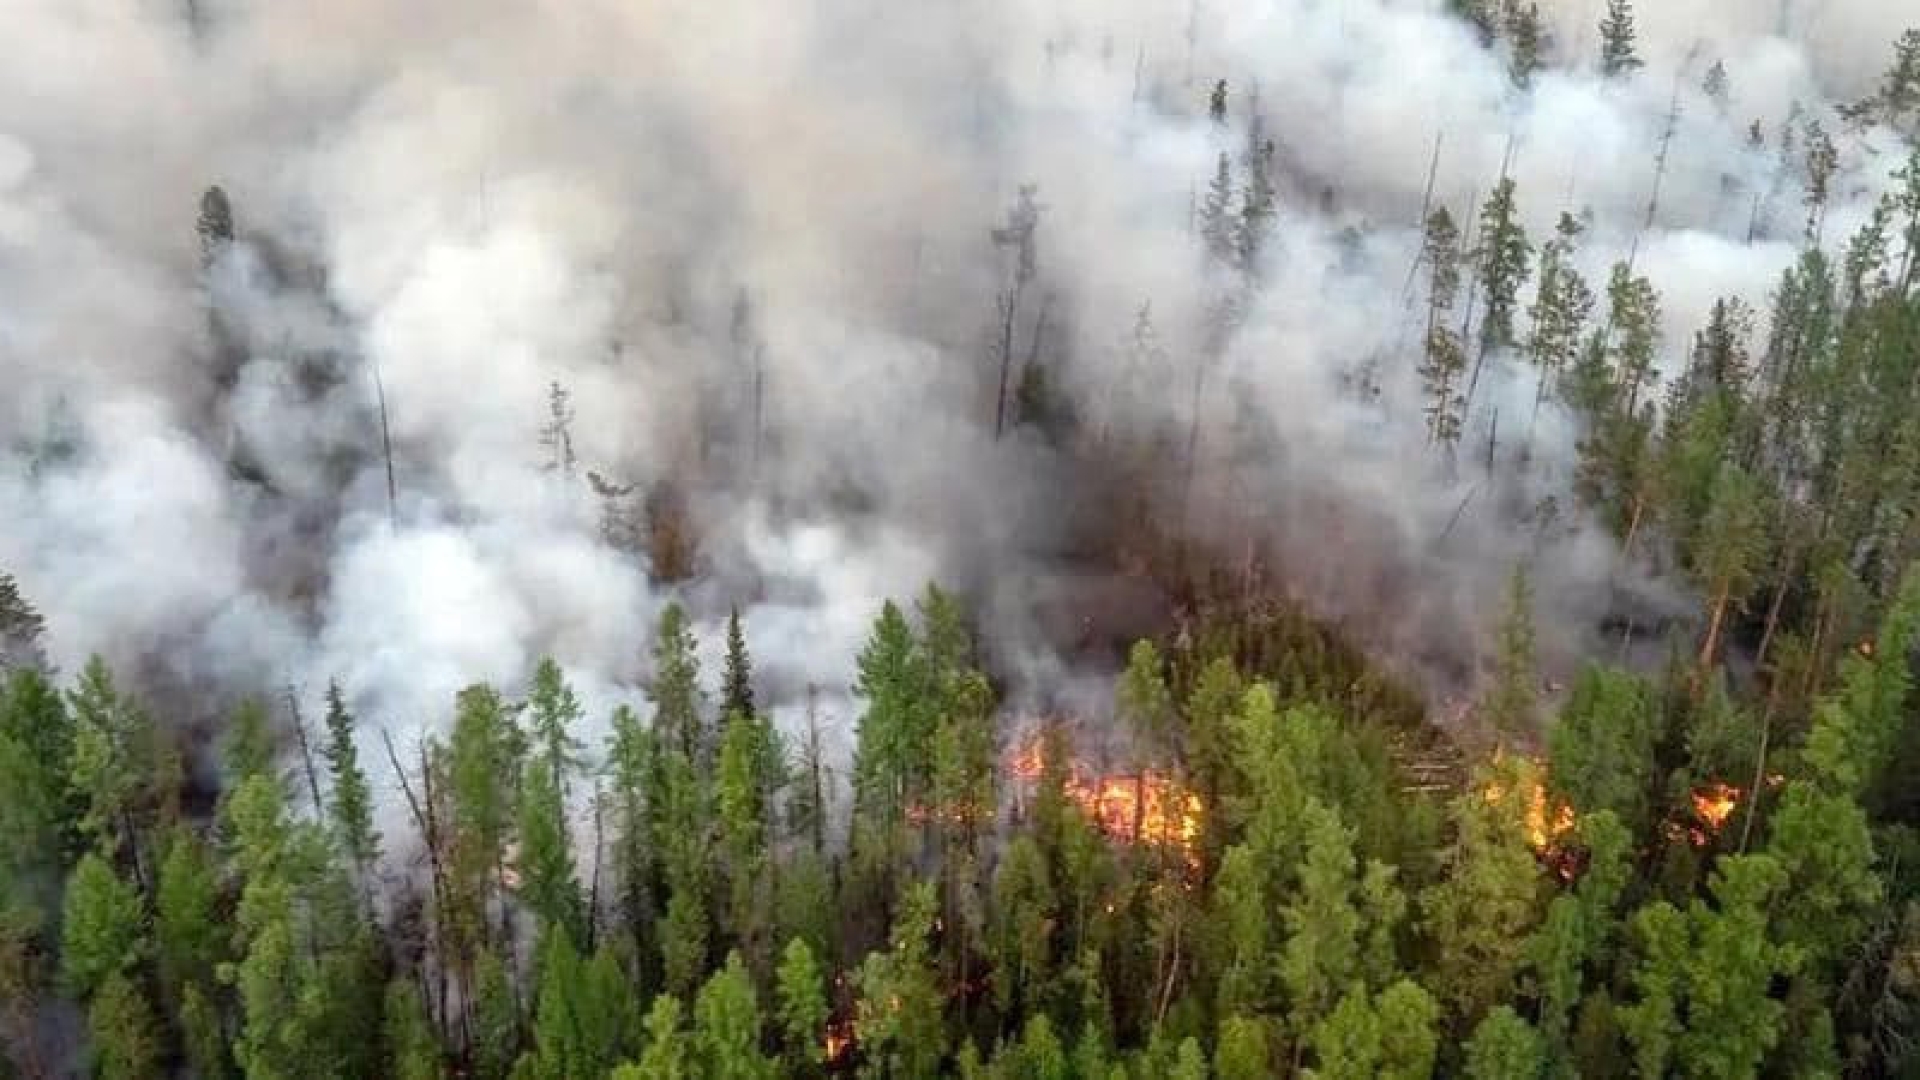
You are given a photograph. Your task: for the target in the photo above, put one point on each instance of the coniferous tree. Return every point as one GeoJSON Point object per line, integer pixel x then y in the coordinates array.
{"type": "Point", "coordinates": [103, 930]}
{"type": "Point", "coordinates": [1563, 303]}
{"type": "Point", "coordinates": [21, 628]}
{"type": "Point", "coordinates": [1216, 214]}
{"type": "Point", "coordinates": [1526, 40]}
{"type": "Point", "coordinates": [1478, 14]}
{"type": "Point", "coordinates": [39, 809]}
{"type": "Point", "coordinates": [119, 767]}
{"type": "Point", "coordinates": [1604, 745]}
{"type": "Point", "coordinates": [1702, 984]}
{"type": "Point", "coordinates": [1510, 707]}
{"type": "Point", "coordinates": [1617, 55]}
{"type": "Point", "coordinates": [1445, 359]}
{"type": "Point", "coordinates": [351, 800]}
{"type": "Point", "coordinates": [1715, 85]}
{"type": "Point", "coordinates": [668, 1054]}
{"type": "Point", "coordinates": [1322, 956]}
{"type": "Point", "coordinates": [189, 940]}
{"type": "Point", "coordinates": [891, 727]}
{"type": "Point", "coordinates": [900, 1001]}
{"type": "Point", "coordinates": [631, 771]}
{"type": "Point", "coordinates": [802, 1007]}
{"type": "Point", "coordinates": [1478, 916]}
{"type": "Point", "coordinates": [675, 690]}
{"type": "Point", "coordinates": [480, 763]}
{"type": "Point", "coordinates": [494, 1044]}
{"type": "Point", "coordinates": [125, 1035]}
{"type": "Point", "coordinates": [1505, 1047]}
{"type": "Point", "coordinates": [726, 1028]}
{"type": "Point", "coordinates": [215, 224]}
{"type": "Point", "coordinates": [1257, 209]}
{"type": "Point", "coordinates": [547, 882]}
{"type": "Point", "coordinates": [413, 1053]}
{"type": "Point", "coordinates": [736, 694]}
{"type": "Point", "coordinates": [553, 712]}
{"type": "Point", "coordinates": [742, 810]}
{"type": "Point", "coordinates": [1502, 263]}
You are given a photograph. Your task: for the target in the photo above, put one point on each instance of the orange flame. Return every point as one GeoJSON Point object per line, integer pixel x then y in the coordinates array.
{"type": "Point", "coordinates": [839, 1040]}
{"type": "Point", "coordinates": [1715, 803]}
{"type": "Point", "coordinates": [1147, 807]}
{"type": "Point", "coordinates": [1546, 825]}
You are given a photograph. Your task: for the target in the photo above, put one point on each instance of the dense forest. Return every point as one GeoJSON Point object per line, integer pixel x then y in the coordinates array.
{"type": "Point", "coordinates": [1674, 835]}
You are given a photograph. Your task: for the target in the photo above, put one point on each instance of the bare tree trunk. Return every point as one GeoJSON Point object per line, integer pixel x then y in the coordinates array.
{"type": "Point", "coordinates": [306, 751]}
{"type": "Point", "coordinates": [1714, 623]}
{"type": "Point", "coordinates": [1193, 448]}
{"type": "Point", "coordinates": [599, 852]}
{"type": "Point", "coordinates": [1773, 614]}
{"type": "Point", "coordinates": [1009, 309]}
{"type": "Point", "coordinates": [1171, 976]}
{"type": "Point", "coordinates": [1759, 775]}
{"type": "Point", "coordinates": [423, 820]}
{"type": "Point", "coordinates": [386, 448]}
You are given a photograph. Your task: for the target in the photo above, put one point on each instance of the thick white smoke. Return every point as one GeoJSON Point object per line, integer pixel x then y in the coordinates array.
{"type": "Point", "coordinates": [460, 204]}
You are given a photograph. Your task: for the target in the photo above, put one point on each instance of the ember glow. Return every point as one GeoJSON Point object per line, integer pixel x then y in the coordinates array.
{"type": "Point", "coordinates": [1715, 803]}
{"type": "Point", "coordinates": [838, 1042]}
{"type": "Point", "coordinates": [1147, 807]}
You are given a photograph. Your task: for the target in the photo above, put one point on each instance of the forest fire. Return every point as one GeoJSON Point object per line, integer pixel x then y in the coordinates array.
{"type": "Point", "coordinates": [1546, 825]}
{"type": "Point", "coordinates": [1143, 808]}
{"type": "Point", "coordinates": [838, 1042]}
{"type": "Point", "coordinates": [1715, 803]}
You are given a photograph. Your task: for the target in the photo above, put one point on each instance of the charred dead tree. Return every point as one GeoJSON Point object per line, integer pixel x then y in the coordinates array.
{"type": "Point", "coordinates": [618, 529]}
{"type": "Point", "coordinates": [1017, 234]}
{"type": "Point", "coordinates": [670, 538]}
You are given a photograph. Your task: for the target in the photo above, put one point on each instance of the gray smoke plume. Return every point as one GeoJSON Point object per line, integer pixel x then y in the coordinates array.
{"type": "Point", "coordinates": [753, 247]}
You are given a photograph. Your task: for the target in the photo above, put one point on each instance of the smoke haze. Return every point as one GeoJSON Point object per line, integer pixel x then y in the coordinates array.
{"type": "Point", "coordinates": [461, 204]}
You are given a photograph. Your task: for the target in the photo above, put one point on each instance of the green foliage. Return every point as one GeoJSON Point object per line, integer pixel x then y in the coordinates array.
{"type": "Point", "coordinates": [1280, 942]}
{"type": "Point", "coordinates": [553, 713]}
{"type": "Point", "coordinates": [21, 628]}
{"type": "Point", "coordinates": [547, 883]}
{"type": "Point", "coordinates": [39, 812]}
{"type": "Point", "coordinates": [1617, 55]}
{"type": "Point", "coordinates": [351, 801]}
{"type": "Point", "coordinates": [123, 1031]}
{"type": "Point", "coordinates": [1505, 1047]}
{"type": "Point", "coordinates": [1510, 707]}
{"type": "Point", "coordinates": [675, 690]}
{"type": "Point", "coordinates": [1603, 746]}
{"type": "Point", "coordinates": [412, 1051]}
{"type": "Point", "coordinates": [726, 1032]}
{"type": "Point", "coordinates": [495, 1042]}
{"type": "Point", "coordinates": [1445, 356]}
{"type": "Point", "coordinates": [189, 940]}
{"type": "Point", "coordinates": [202, 1036]}
{"type": "Point", "coordinates": [1704, 976]}
{"type": "Point", "coordinates": [736, 682]}
{"type": "Point", "coordinates": [1244, 1050]}
{"type": "Point", "coordinates": [744, 824]}
{"type": "Point", "coordinates": [103, 929]}
{"type": "Point", "coordinates": [1393, 1034]}
{"type": "Point", "coordinates": [1322, 954]}
{"type": "Point", "coordinates": [585, 1017]}
{"type": "Point", "coordinates": [801, 993]}
{"type": "Point", "coordinates": [1478, 916]}
{"type": "Point", "coordinates": [668, 1054]}
{"type": "Point", "coordinates": [1504, 262]}
{"type": "Point", "coordinates": [900, 1022]}
{"type": "Point", "coordinates": [119, 771]}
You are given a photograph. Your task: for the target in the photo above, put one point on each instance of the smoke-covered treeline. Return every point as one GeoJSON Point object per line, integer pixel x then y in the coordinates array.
{"type": "Point", "coordinates": [361, 357]}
